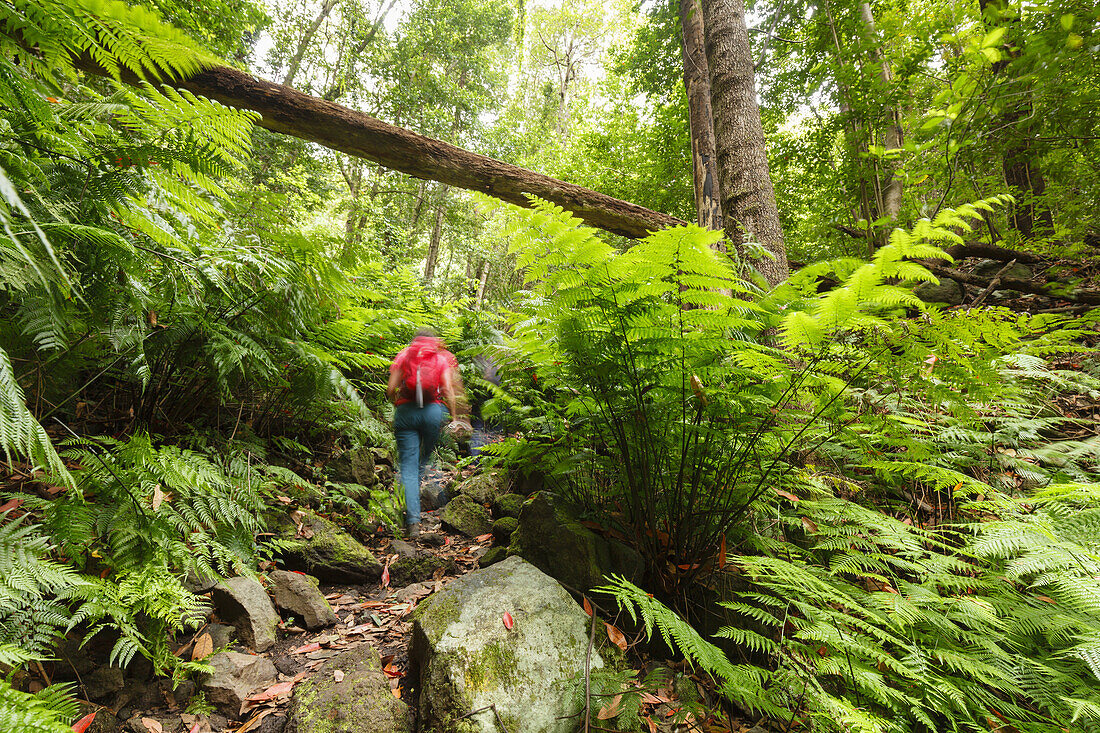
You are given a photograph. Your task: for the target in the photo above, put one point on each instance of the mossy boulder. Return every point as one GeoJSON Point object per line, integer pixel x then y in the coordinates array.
{"type": "Point", "coordinates": [492, 556]}
{"type": "Point", "coordinates": [946, 291]}
{"type": "Point", "coordinates": [508, 505]}
{"type": "Point", "coordinates": [551, 538]}
{"type": "Point", "coordinates": [467, 658]}
{"type": "Point", "coordinates": [467, 516]}
{"type": "Point", "coordinates": [503, 529]}
{"type": "Point", "coordinates": [354, 467]}
{"type": "Point", "coordinates": [483, 488]}
{"type": "Point", "coordinates": [414, 565]}
{"type": "Point", "coordinates": [324, 550]}
{"type": "Point", "coordinates": [361, 702]}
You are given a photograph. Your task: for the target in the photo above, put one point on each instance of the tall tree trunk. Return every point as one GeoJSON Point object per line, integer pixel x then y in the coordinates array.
{"type": "Point", "coordinates": [307, 38]}
{"type": "Point", "coordinates": [291, 112]}
{"type": "Point", "coordinates": [437, 235]}
{"type": "Point", "coordinates": [892, 134]}
{"type": "Point", "coordinates": [1020, 164]}
{"type": "Point", "coordinates": [482, 280]}
{"type": "Point", "coordinates": [748, 197]}
{"type": "Point", "coordinates": [708, 204]}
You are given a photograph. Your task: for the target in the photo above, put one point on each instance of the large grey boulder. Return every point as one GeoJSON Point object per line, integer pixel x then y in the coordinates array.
{"type": "Point", "coordinates": [324, 550]}
{"type": "Point", "coordinates": [989, 268]}
{"type": "Point", "coordinates": [361, 702]}
{"type": "Point", "coordinates": [235, 677]}
{"type": "Point", "coordinates": [298, 593]}
{"type": "Point", "coordinates": [946, 291]}
{"type": "Point", "coordinates": [467, 516]}
{"type": "Point", "coordinates": [554, 541]}
{"type": "Point", "coordinates": [467, 658]}
{"type": "Point", "coordinates": [243, 602]}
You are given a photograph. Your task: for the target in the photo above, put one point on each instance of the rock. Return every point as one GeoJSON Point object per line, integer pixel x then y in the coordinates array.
{"type": "Point", "coordinates": [235, 677]}
{"type": "Point", "coordinates": [136, 723]}
{"type": "Point", "coordinates": [198, 583]}
{"type": "Point", "coordinates": [484, 487]}
{"type": "Point", "coordinates": [104, 681]}
{"type": "Point", "coordinates": [550, 538]}
{"type": "Point", "coordinates": [945, 291]}
{"type": "Point", "coordinates": [272, 724]}
{"type": "Point", "coordinates": [508, 505]}
{"type": "Point", "coordinates": [467, 516]}
{"type": "Point", "coordinates": [382, 457]}
{"type": "Point", "coordinates": [989, 269]}
{"type": "Point", "coordinates": [105, 720]}
{"type": "Point", "coordinates": [433, 540]}
{"type": "Point", "coordinates": [243, 602]}
{"type": "Point", "coordinates": [183, 692]}
{"type": "Point", "coordinates": [298, 594]}
{"type": "Point", "coordinates": [492, 557]}
{"type": "Point", "coordinates": [433, 495]}
{"type": "Point", "coordinates": [360, 703]}
{"type": "Point", "coordinates": [503, 529]}
{"type": "Point", "coordinates": [221, 634]}
{"type": "Point", "coordinates": [528, 482]}
{"type": "Point", "coordinates": [329, 553]}
{"type": "Point", "coordinates": [414, 565]}
{"type": "Point", "coordinates": [354, 466]}
{"type": "Point", "coordinates": [467, 659]}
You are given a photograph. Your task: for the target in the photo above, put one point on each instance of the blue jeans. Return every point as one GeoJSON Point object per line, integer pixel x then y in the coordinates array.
{"type": "Point", "coordinates": [417, 432]}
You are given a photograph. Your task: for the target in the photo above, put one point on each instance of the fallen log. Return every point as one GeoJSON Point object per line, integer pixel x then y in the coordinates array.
{"type": "Point", "coordinates": [290, 112]}
{"type": "Point", "coordinates": [1089, 297]}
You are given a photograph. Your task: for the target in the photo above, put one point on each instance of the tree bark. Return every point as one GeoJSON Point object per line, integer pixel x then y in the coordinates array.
{"type": "Point", "coordinates": [291, 112]}
{"type": "Point", "coordinates": [892, 134]}
{"type": "Point", "coordinates": [748, 197]}
{"type": "Point", "coordinates": [708, 204]}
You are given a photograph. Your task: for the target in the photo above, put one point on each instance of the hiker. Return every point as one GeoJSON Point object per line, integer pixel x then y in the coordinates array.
{"type": "Point", "coordinates": [424, 384]}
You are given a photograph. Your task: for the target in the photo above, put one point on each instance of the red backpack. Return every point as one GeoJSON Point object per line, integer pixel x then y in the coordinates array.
{"type": "Point", "coordinates": [424, 366]}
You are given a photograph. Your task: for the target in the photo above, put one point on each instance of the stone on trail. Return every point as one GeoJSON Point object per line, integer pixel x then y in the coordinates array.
{"type": "Point", "coordinates": [484, 487]}
{"type": "Point", "coordinates": [503, 529]}
{"type": "Point", "coordinates": [492, 557]}
{"type": "Point", "coordinates": [467, 516]}
{"type": "Point", "coordinates": [243, 602]}
{"type": "Point", "coordinates": [508, 505]}
{"type": "Point", "coordinates": [467, 658]}
{"type": "Point", "coordinates": [433, 495]}
{"type": "Point", "coordinates": [325, 551]}
{"type": "Point", "coordinates": [414, 565]}
{"type": "Point", "coordinates": [554, 541]}
{"type": "Point", "coordinates": [354, 467]}
{"type": "Point", "coordinates": [235, 677]}
{"type": "Point", "coordinates": [361, 702]}
{"type": "Point", "coordinates": [298, 594]}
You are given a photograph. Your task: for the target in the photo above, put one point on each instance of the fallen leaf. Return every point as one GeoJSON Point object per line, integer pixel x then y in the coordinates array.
{"type": "Point", "coordinates": [285, 499]}
{"type": "Point", "coordinates": [788, 495]}
{"type": "Point", "coordinates": [338, 675]}
{"type": "Point", "coordinates": [82, 725]}
{"type": "Point", "coordinates": [195, 728]}
{"type": "Point", "coordinates": [652, 724]}
{"type": "Point", "coordinates": [484, 537]}
{"type": "Point", "coordinates": [254, 720]}
{"type": "Point", "coordinates": [396, 692]}
{"type": "Point", "coordinates": [810, 525]}
{"type": "Point", "coordinates": [386, 575]}
{"type": "Point", "coordinates": [153, 726]}
{"type": "Point", "coordinates": [611, 709]}
{"type": "Point", "coordinates": [204, 647]}
{"type": "Point", "coordinates": [12, 504]}
{"type": "Point", "coordinates": [617, 638]}
{"type": "Point", "coordinates": [307, 648]}
{"type": "Point", "coordinates": [507, 619]}
{"type": "Point", "coordinates": [158, 498]}
{"type": "Point", "coordinates": [587, 607]}
{"type": "Point", "coordinates": [391, 671]}
{"type": "Point", "coordinates": [277, 689]}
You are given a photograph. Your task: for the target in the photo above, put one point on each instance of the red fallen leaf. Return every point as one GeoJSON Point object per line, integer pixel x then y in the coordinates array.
{"type": "Point", "coordinates": [279, 688]}
{"type": "Point", "coordinates": [82, 725]}
{"type": "Point", "coordinates": [483, 537]}
{"type": "Point", "coordinates": [391, 671]}
{"type": "Point", "coordinates": [195, 728]}
{"type": "Point", "coordinates": [788, 495]}
{"type": "Point", "coordinates": [51, 100]}
{"type": "Point", "coordinates": [810, 525]}
{"type": "Point", "coordinates": [651, 724]}
{"type": "Point", "coordinates": [822, 651]}
{"type": "Point", "coordinates": [386, 576]}
{"type": "Point", "coordinates": [508, 622]}
{"type": "Point", "coordinates": [10, 504]}
{"type": "Point", "coordinates": [587, 607]}
{"type": "Point", "coordinates": [611, 709]}
{"type": "Point", "coordinates": [307, 648]}
{"type": "Point", "coordinates": [617, 638]}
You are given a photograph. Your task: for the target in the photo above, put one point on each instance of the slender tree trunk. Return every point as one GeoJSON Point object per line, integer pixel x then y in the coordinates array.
{"type": "Point", "coordinates": [1020, 163]}
{"type": "Point", "coordinates": [748, 197]}
{"type": "Point", "coordinates": [307, 38]}
{"type": "Point", "coordinates": [708, 203]}
{"type": "Point", "coordinates": [482, 280]}
{"type": "Point", "coordinates": [437, 235]}
{"type": "Point", "coordinates": [892, 133]}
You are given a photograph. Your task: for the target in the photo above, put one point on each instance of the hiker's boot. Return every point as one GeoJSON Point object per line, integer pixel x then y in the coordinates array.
{"type": "Point", "coordinates": [413, 531]}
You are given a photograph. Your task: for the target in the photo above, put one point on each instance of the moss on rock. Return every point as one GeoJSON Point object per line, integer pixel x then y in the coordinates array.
{"type": "Point", "coordinates": [330, 554]}
{"type": "Point", "coordinates": [360, 703]}
{"type": "Point", "coordinates": [492, 556]}
{"type": "Point", "coordinates": [483, 488]}
{"type": "Point", "coordinates": [508, 505]}
{"type": "Point", "coordinates": [467, 516]}
{"type": "Point", "coordinates": [503, 529]}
